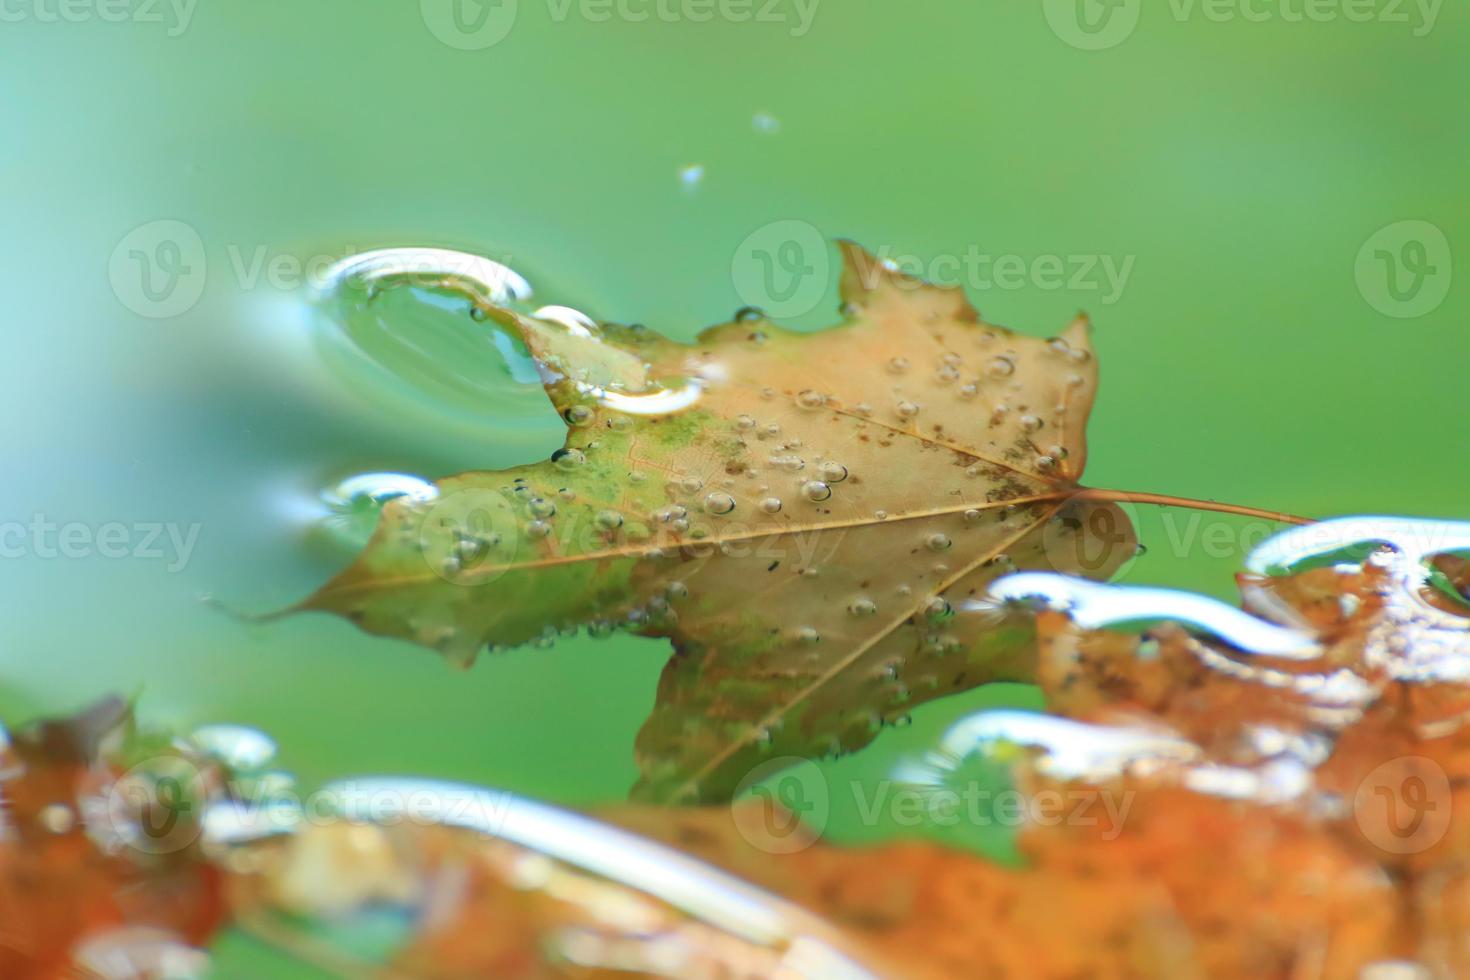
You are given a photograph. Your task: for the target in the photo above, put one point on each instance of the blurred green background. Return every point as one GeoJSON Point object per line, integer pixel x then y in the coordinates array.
{"type": "Point", "coordinates": [1271, 345]}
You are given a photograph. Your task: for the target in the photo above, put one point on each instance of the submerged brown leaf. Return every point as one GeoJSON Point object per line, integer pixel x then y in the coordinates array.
{"type": "Point", "coordinates": [803, 515]}
{"type": "Point", "coordinates": [1282, 794]}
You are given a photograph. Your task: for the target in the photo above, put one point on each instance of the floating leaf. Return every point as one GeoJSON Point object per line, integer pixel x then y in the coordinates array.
{"type": "Point", "coordinates": [800, 513]}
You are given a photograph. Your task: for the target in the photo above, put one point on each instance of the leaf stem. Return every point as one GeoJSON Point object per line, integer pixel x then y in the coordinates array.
{"type": "Point", "coordinates": [1169, 500]}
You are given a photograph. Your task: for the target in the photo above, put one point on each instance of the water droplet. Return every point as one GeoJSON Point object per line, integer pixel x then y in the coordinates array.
{"type": "Point", "coordinates": [569, 459]}
{"type": "Point", "coordinates": [906, 409]}
{"type": "Point", "coordinates": [541, 507]}
{"type": "Point", "coordinates": [862, 607]}
{"type": "Point", "coordinates": [973, 516]}
{"type": "Point", "coordinates": [537, 530]}
{"type": "Point", "coordinates": [816, 490]}
{"type": "Point", "coordinates": [744, 423]}
{"type": "Point", "coordinates": [691, 176]}
{"type": "Point", "coordinates": [1046, 462]}
{"type": "Point", "coordinates": [938, 542]}
{"type": "Point", "coordinates": [236, 747]}
{"type": "Point", "coordinates": [691, 484]}
{"type": "Point", "coordinates": [1001, 367]}
{"type": "Point", "coordinates": [719, 502]}
{"type": "Point", "coordinates": [938, 608]}
{"type": "Point", "coordinates": [810, 399]}
{"type": "Point", "coordinates": [808, 635]}
{"type": "Point", "coordinates": [1058, 345]}
{"type": "Point", "coordinates": [898, 365]}
{"type": "Point", "coordinates": [946, 375]}
{"type": "Point", "coordinates": [771, 505]}
{"type": "Point", "coordinates": [580, 415]}
{"type": "Point", "coordinates": [676, 590]}
{"type": "Point", "coordinates": [619, 423]}
{"type": "Point", "coordinates": [609, 520]}
{"type": "Point", "coordinates": [1031, 423]}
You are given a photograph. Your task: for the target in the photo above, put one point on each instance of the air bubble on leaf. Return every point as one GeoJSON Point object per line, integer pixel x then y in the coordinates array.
{"type": "Point", "coordinates": [771, 505]}
{"type": "Point", "coordinates": [946, 375]}
{"type": "Point", "coordinates": [906, 410]}
{"type": "Point", "coordinates": [744, 423]}
{"type": "Point", "coordinates": [569, 459]}
{"type": "Point", "coordinates": [862, 606]}
{"type": "Point", "coordinates": [938, 608]}
{"type": "Point", "coordinates": [719, 503]}
{"type": "Point", "coordinates": [938, 542]}
{"type": "Point", "coordinates": [973, 516]}
{"type": "Point", "coordinates": [1080, 356]}
{"type": "Point", "coordinates": [1001, 367]}
{"type": "Point", "coordinates": [619, 423]}
{"type": "Point", "coordinates": [1046, 463]}
{"type": "Point", "coordinates": [676, 590]}
{"type": "Point", "coordinates": [691, 484]}
{"type": "Point", "coordinates": [541, 507]}
{"type": "Point", "coordinates": [609, 520]}
{"type": "Point", "coordinates": [808, 635]}
{"type": "Point", "coordinates": [968, 390]}
{"type": "Point", "coordinates": [816, 491]}
{"type": "Point", "coordinates": [1031, 423]}
{"type": "Point", "coordinates": [833, 472]}
{"type": "Point", "coordinates": [1058, 345]}
{"type": "Point", "coordinates": [747, 314]}
{"type": "Point", "coordinates": [810, 399]}
{"type": "Point", "coordinates": [537, 530]}
{"type": "Point", "coordinates": [898, 365]}
{"type": "Point", "coordinates": [792, 464]}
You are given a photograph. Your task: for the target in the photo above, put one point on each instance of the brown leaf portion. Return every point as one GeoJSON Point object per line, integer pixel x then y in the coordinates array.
{"type": "Point", "coordinates": [803, 515]}
{"type": "Point", "coordinates": [68, 878]}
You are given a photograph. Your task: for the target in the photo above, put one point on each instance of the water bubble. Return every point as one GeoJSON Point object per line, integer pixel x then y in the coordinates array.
{"type": "Point", "coordinates": [792, 464]}
{"type": "Point", "coordinates": [906, 409]}
{"type": "Point", "coordinates": [354, 504]}
{"type": "Point", "coordinates": [771, 505]}
{"type": "Point", "coordinates": [1046, 462]}
{"type": "Point", "coordinates": [938, 542]}
{"type": "Point", "coordinates": [898, 365]}
{"type": "Point", "coordinates": [691, 484]}
{"type": "Point", "coordinates": [609, 520]}
{"type": "Point", "coordinates": [537, 530]}
{"type": "Point", "coordinates": [1058, 345]}
{"type": "Point", "coordinates": [1001, 367]}
{"type": "Point", "coordinates": [816, 490]}
{"type": "Point", "coordinates": [938, 608]}
{"type": "Point", "coordinates": [810, 399]}
{"type": "Point", "coordinates": [969, 390]}
{"type": "Point", "coordinates": [569, 459]}
{"type": "Point", "coordinates": [236, 747]}
{"type": "Point", "coordinates": [580, 415]}
{"type": "Point", "coordinates": [946, 375]}
{"type": "Point", "coordinates": [541, 507]}
{"type": "Point", "coordinates": [746, 314]}
{"type": "Point", "coordinates": [862, 606]}
{"type": "Point", "coordinates": [744, 423]}
{"type": "Point", "coordinates": [1031, 423]}
{"type": "Point", "coordinates": [771, 431]}
{"type": "Point", "coordinates": [833, 472]}
{"type": "Point", "coordinates": [719, 503]}
{"type": "Point", "coordinates": [676, 590]}
{"type": "Point", "coordinates": [619, 423]}
{"type": "Point", "coordinates": [972, 516]}
{"type": "Point", "coordinates": [1080, 356]}
{"type": "Point", "coordinates": [808, 635]}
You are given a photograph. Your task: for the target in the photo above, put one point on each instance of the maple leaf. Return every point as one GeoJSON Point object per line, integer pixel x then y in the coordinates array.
{"type": "Point", "coordinates": [800, 514]}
